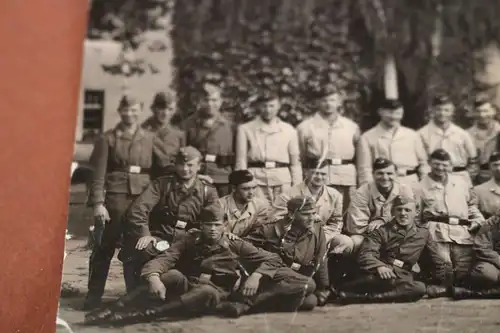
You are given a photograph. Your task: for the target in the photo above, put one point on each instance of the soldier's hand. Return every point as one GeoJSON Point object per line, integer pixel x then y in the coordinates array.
{"type": "Point", "coordinates": [206, 178]}
{"type": "Point", "coordinates": [339, 249]}
{"type": "Point", "coordinates": [157, 288]}
{"type": "Point", "coordinates": [143, 242]}
{"type": "Point", "coordinates": [323, 296]}
{"type": "Point", "coordinates": [231, 236]}
{"type": "Point", "coordinates": [101, 213]}
{"type": "Point", "coordinates": [375, 224]}
{"type": "Point", "coordinates": [474, 226]}
{"type": "Point", "coordinates": [251, 285]}
{"type": "Point", "coordinates": [385, 273]}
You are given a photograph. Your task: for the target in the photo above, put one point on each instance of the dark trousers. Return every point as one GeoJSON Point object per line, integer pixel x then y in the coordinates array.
{"type": "Point", "coordinates": [223, 189]}
{"type": "Point", "coordinates": [101, 256]}
{"type": "Point", "coordinates": [484, 275]}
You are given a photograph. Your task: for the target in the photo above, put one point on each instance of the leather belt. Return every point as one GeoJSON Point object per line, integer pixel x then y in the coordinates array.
{"type": "Point", "coordinates": [407, 172]}
{"type": "Point", "coordinates": [459, 168]}
{"type": "Point", "coordinates": [268, 165]}
{"type": "Point", "coordinates": [315, 162]}
{"type": "Point", "coordinates": [448, 220]}
{"type": "Point", "coordinates": [219, 159]}
{"type": "Point", "coordinates": [133, 169]}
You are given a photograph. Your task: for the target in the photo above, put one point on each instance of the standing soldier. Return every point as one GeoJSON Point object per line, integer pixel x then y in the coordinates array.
{"type": "Point", "coordinates": [122, 161]}
{"type": "Point", "coordinates": [328, 136]}
{"type": "Point", "coordinates": [371, 204]}
{"type": "Point", "coordinates": [328, 205]}
{"type": "Point", "coordinates": [441, 132]}
{"type": "Point", "coordinates": [164, 212]}
{"type": "Point", "coordinates": [269, 149]}
{"type": "Point", "coordinates": [488, 193]}
{"type": "Point", "coordinates": [243, 209]}
{"type": "Point", "coordinates": [301, 243]}
{"type": "Point", "coordinates": [390, 140]}
{"type": "Point", "coordinates": [485, 134]}
{"type": "Point", "coordinates": [387, 257]}
{"type": "Point", "coordinates": [163, 110]}
{"type": "Point", "coordinates": [213, 135]}
{"type": "Point", "coordinates": [449, 209]}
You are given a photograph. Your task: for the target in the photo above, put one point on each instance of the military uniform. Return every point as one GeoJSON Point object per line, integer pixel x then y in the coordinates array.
{"type": "Point", "coordinates": [271, 153]}
{"type": "Point", "coordinates": [122, 166]}
{"type": "Point", "coordinates": [166, 210]}
{"type": "Point", "coordinates": [334, 143]}
{"type": "Point", "coordinates": [401, 145]}
{"type": "Point", "coordinates": [302, 251]}
{"type": "Point", "coordinates": [490, 147]}
{"type": "Point", "coordinates": [241, 221]}
{"type": "Point", "coordinates": [396, 247]}
{"type": "Point", "coordinates": [161, 101]}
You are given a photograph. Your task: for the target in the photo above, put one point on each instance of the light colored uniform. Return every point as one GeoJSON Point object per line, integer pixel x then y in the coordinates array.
{"type": "Point", "coordinates": [403, 147]}
{"type": "Point", "coordinates": [481, 136]}
{"type": "Point", "coordinates": [241, 222]}
{"type": "Point", "coordinates": [457, 142]}
{"type": "Point", "coordinates": [337, 142]}
{"type": "Point", "coordinates": [329, 211]}
{"type": "Point", "coordinates": [455, 205]}
{"type": "Point", "coordinates": [488, 198]}
{"type": "Point", "coordinates": [368, 204]}
{"type": "Point", "coordinates": [271, 153]}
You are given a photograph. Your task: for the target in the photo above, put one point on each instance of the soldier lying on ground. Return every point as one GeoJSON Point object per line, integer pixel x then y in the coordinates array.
{"type": "Point", "coordinates": [387, 256]}
{"type": "Point", "coordinates": [301, 243]}
{"type": "Point", "coordinates": [194, 275]}
{"type": "Point", "coordinates": [164, 212]}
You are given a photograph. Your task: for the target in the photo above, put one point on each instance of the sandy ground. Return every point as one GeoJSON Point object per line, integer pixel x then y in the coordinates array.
{"type": "Point", "coordinates": [439, 316]}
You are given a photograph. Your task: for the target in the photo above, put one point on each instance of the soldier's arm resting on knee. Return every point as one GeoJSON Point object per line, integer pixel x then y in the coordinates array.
{"type": "Point", "coordinates": [475, 217]}
{"type": "Point", "coordinates": [264, 262]}
{"type": "Point", "coordinates": [166, 260]}
{"type": "Point", "coordinates": [369, 252]}
{"type": "Point", "coordinates": [483, 247]}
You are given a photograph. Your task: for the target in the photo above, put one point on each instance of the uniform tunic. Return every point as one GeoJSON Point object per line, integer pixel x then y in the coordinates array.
{"type": "Point", "coordinates": [273, 143]}
{"type": "Point", "coordinates": [216, 143]}
{"type": "Point", "coordinates": [489, 148]}
{"type": "Point", "coordinates": [481, 136]}
{"type": "Point", "coordinates": [368, 204]}
{"type": "Point", "coordinates": [403, 147]}
{"type": "Point", "coordinates": [152, 124]}
{"type": "Point", "coordinates": [167, 209]}
{"type": "Point", "coordinates": [488, 198]}
{"type": "Point", "coordinates": [169, 140]}
{"type": "Point", "coordinates": [302, 251]}
{"type": "Point", "coordinates": [457, 142]}
{"type": "Point", "coordinates": [328, 205]}
{"type": "Point", "coordinates": [241, 222]}
{"type": "Point", "coordinates": [395, 247]}
{"type": "Point", "coordinates": [337, 142]}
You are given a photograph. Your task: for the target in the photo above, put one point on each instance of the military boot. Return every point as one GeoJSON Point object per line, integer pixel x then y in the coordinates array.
{"type": "Point", "coordinates": [434, 291]}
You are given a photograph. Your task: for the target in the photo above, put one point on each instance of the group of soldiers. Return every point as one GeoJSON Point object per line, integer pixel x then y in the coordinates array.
{"type": "Point", "coordinates": [212, 217]}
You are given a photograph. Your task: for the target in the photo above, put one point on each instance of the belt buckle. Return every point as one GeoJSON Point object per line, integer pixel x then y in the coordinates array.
{"type": "Point", "coordinates": [336, 161]}
{"type": "Point", "coordinates": [162, 246]}
{"type": "Point", "coordinates": [180, 224]}
{"type": "Point", "coordinates": [398, 263]}
{"type": "Point", "coordinates": [453, 221]}
{"type": "Point", "coordinates": [205, 277]}
{"type": "Point", "coordinates": [210, 158]}
{"type": "Point", "coordinates": [295, 266]}
{"type": "Point", "coordinates": [270, 165]}
{"type": "Point", "coordinates": [402, 172]}
{"type": "Point", "coordinates": [134, 169]}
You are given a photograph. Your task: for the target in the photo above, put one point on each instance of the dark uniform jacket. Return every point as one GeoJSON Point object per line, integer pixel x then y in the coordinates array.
{"type": "Point", "coordinates": [167, 209]}
{"type": "Point", "coordinates": [393, 246]}
{"type": "Point", "coordinates": [215, 143]}
{"type": "Point", "coordinates": [487, 245]}
{"type": "Point", "coordinates": [301, 251]}
{"type": "Point", "coordinates": [219, 263]}
{"type": "Point", "coordinates": [121, 163]}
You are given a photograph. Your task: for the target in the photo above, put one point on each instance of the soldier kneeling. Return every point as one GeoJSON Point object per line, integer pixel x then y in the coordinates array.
{"type": "Point", "coordinates": [387, 255]}
{"type": "Point", "coordinates": [207, 265]}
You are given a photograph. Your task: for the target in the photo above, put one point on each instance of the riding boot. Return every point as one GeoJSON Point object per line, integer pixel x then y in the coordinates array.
{"type": "Point", "coordinates": [133, 317]}
{"type": "Point", "coordinates": [459, 293]}
{"type": "Point", "coordinates": [345, 297]}
{"type": "Point", "coordinates": [492, 293]}
{"type": "Point", "coordinates": [434, 291]}
{"type": "Point", "coordinates": [396, 296]}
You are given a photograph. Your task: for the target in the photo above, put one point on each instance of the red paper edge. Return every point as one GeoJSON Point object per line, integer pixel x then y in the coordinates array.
{"type": "Point", "coordinates": [40, 69]}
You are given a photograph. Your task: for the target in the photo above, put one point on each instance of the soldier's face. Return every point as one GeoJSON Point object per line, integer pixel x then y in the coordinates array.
{"type": "Point", "coordinates": [129, 115]}
{"type": "Point", "coordinates": [305, 219]}
{"type": "Point", "coordinates": [439, 168]}
{"type": "Point", "coordinates": [212, 230]}
{"type": "Point", "coordinates": [391, 118]}
{"type": "Point", "coordinates": [404, 214]}
{"type": "Point", "coordinates": [443, 113]}
{"type": "Point", "coordinates": [317, 177]}
{"type": "Point", "coordinates": [188, 170]}
{"type": "Point", "coordinates": [269, 110]}
{"type": "Point", "coordinates": [162, 114]}
{"type": "Point", "coordinates": [331, 103]}
{"type": "Point", "coordinates": [384, 178]}
{"type": "Point", "coordinates": [495, 169]}
{"type": "Point", "coordinates": [485, 113]}
{"type": "Point", "coordinates": [246, 191]}
{"type": "Point", "coordinates": [212, 104]}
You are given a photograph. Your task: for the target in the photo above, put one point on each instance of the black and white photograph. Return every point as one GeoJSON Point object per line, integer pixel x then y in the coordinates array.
{"type": "Point", "coordinates": [286, 165]}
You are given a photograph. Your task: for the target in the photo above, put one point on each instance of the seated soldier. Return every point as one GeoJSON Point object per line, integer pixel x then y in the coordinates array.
{"type": "Point", "coordinates": [301, 243]}
{"type": "Point", "coordinates": [387, 256]}
{"type": "Point", "coordinates": [328, 202]}
{"type": "Point", "coordinates": [243, 208]}
{"type": "Point", "coordinates": [194, 275]}
{"type": "Point", "coordinates": [164, 212]}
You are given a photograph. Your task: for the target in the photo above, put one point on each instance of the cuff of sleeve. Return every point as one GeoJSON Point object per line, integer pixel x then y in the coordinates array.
{"type": "Point", "coordinates": [266, 271]}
